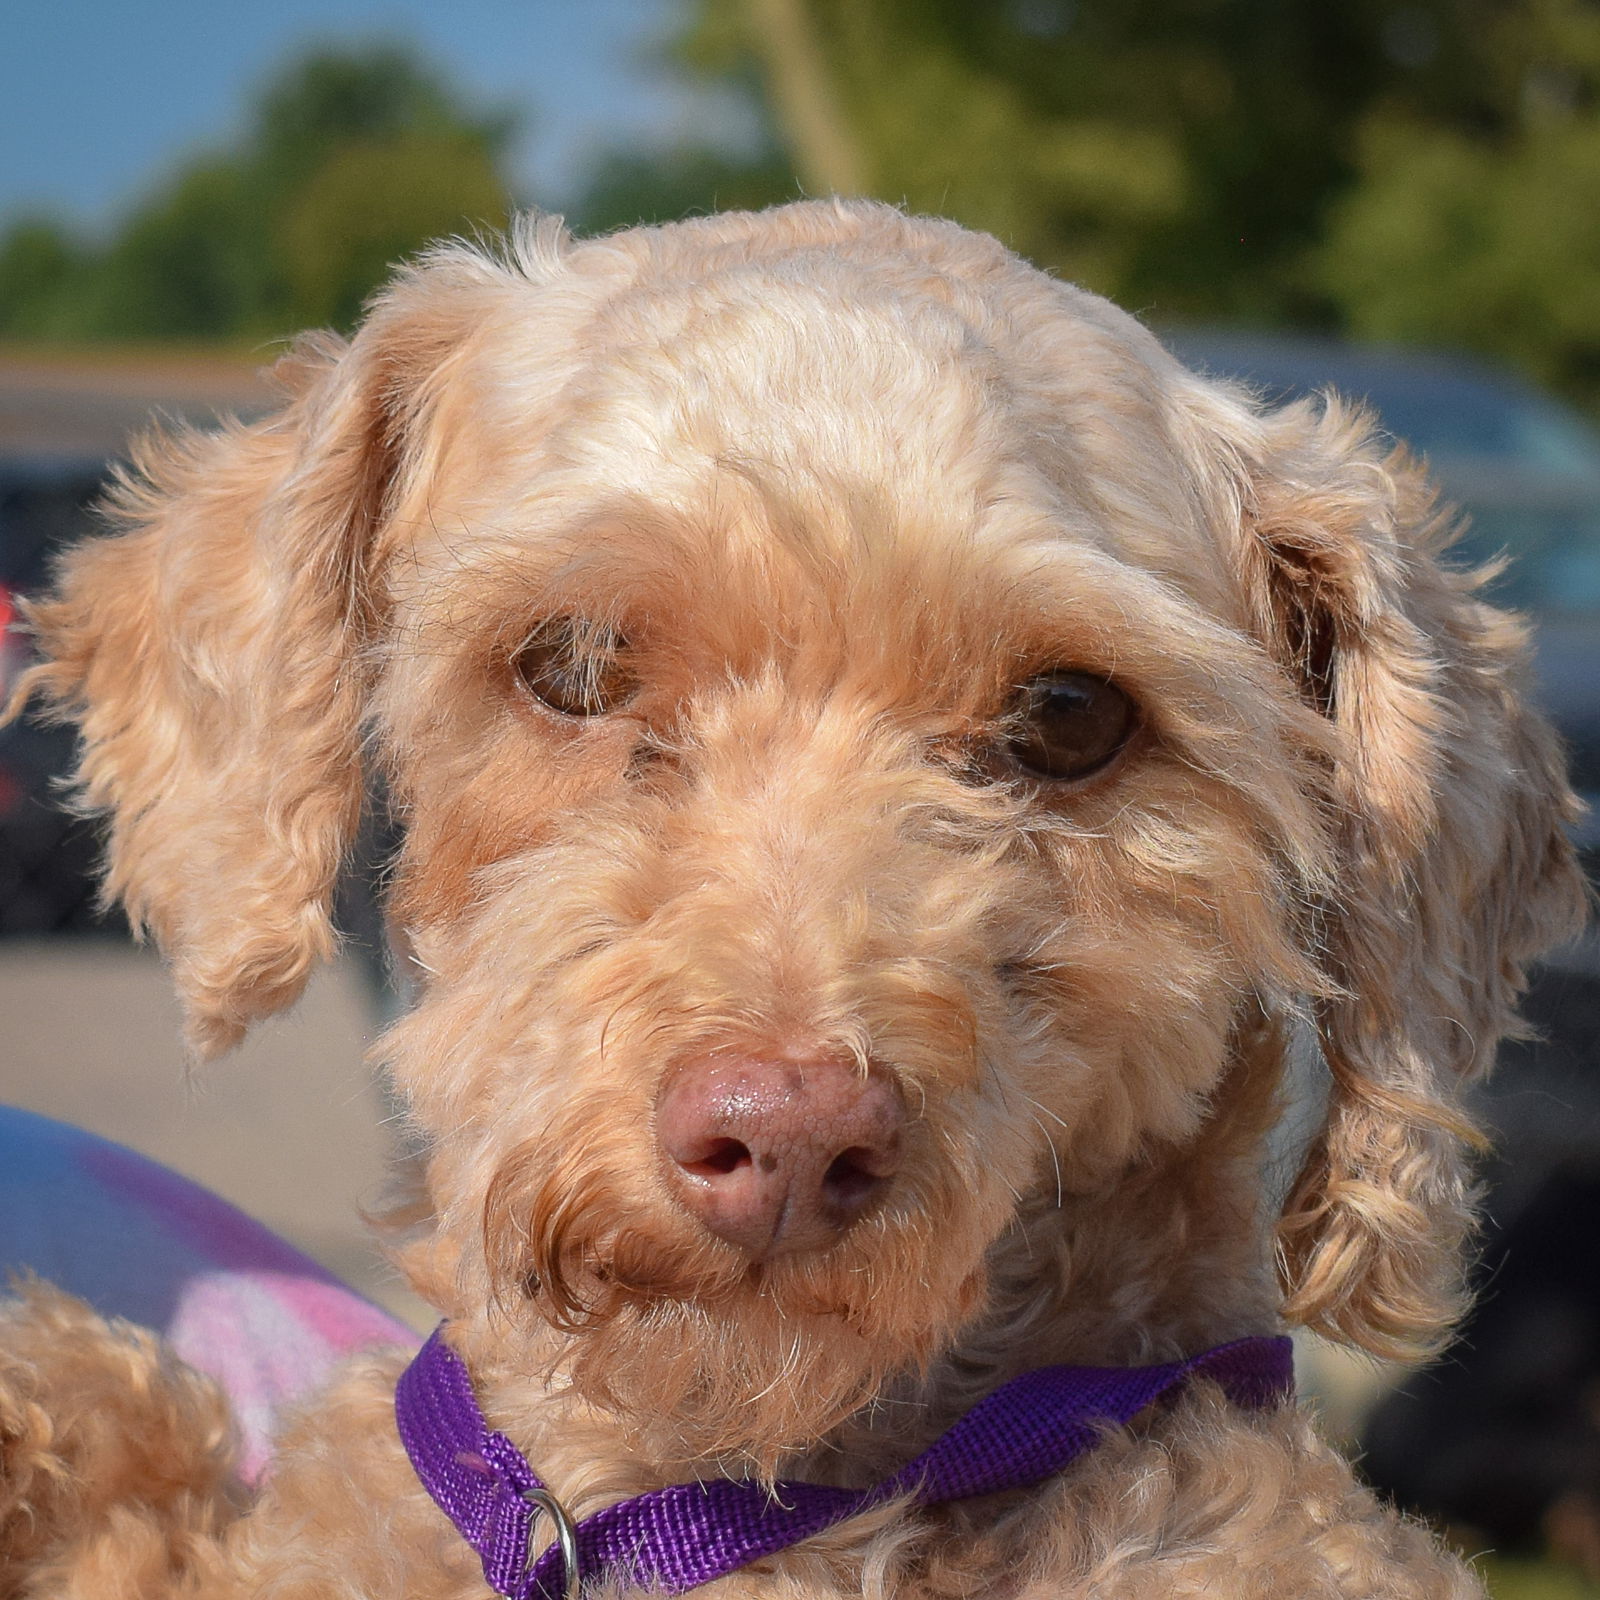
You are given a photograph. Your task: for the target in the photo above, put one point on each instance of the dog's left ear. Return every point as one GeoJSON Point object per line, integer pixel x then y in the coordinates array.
{"type": "Point", "coordinates": [1447, 802]}
{"type": "Point", "coordinates": [216, 652]}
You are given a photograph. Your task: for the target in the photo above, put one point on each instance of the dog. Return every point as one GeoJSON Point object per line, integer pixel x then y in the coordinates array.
{"type": "Point", "coordinates": [890, 763]}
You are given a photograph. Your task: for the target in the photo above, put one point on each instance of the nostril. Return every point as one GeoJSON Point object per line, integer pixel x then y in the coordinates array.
{"type": "Point", "coordinates": [851, 1180]}
{"type": "Point", "coordinates": [721, 1157]}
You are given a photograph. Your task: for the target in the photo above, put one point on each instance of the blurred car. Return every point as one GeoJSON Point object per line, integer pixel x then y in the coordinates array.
{"type": "Point", "coordinates": [1523, 468]}
{"type": "Point", "coordinates": [47, 856]}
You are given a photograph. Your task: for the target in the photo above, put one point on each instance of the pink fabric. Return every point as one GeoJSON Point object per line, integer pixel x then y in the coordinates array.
{"type": "Point", "coordinates": [272, 1340]}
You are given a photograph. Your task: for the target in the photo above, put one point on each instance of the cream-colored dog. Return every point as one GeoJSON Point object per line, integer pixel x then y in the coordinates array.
{"type": "Point", "coordinates": [888, 759]}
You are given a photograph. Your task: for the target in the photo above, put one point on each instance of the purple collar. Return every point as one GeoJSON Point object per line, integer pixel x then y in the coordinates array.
{"type": "Point", "coordinates": [674, 1539]}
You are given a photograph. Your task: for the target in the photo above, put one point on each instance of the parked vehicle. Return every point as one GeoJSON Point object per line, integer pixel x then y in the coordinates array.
{"type": "Point", "coordinates": [47, 856]}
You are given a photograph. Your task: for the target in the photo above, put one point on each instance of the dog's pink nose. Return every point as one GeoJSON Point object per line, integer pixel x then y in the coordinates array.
{"type": "Point", "coordinates": [779, 1156]}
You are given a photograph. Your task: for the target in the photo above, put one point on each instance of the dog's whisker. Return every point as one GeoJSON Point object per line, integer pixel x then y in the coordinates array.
{"type": "Point", "coordinates": [1055, 1159]}
{"type": "Point", "coordinates": [1040, 1107]}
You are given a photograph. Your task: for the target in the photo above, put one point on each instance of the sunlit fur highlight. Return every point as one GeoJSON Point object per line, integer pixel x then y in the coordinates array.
{"type": "Point", "coordinates": [842, 480]}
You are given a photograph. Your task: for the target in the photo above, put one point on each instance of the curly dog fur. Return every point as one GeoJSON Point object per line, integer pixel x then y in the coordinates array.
{"type": "Point", "coordinates": [819, 488]}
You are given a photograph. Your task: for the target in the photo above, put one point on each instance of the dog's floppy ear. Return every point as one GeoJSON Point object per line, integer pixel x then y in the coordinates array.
{"type": "Point", "coordinates": [214, 654]}
{"type": "Point", "coordinates": [1447, 802]}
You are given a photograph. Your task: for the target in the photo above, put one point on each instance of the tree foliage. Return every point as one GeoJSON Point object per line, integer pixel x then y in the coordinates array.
{"type": "Point", "coordinates": [1426, 171]}
{"type": "Point", "coordinates": [625, 187]}
{"type": "Point", "coordinates": [1485, 233]}
{"type": "Point", "coordinates": [352, 159]}
{"type": "Point", "coordinates": [38, 261]}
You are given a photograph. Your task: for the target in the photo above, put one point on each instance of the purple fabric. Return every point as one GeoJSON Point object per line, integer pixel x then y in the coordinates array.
{"type": "Point", "coordinates": [138, 1241]}
{"type": "Point", "coordinates": [675, 1539]}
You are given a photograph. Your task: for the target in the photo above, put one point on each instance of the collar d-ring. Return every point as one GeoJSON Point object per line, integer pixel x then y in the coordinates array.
{"type": "Point", "coordinates": [566, 1537]}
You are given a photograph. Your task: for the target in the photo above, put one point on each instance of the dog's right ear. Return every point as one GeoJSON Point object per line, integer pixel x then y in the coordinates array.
{"type": "Point", "coordinates": [1447, 803]}
{"type": "Point", "coordinates": [215, 652]}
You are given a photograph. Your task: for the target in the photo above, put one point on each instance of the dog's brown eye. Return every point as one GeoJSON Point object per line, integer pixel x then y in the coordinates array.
{"type": "Point", "coordinates": [576, 667]}
{"type": "Point", "coordinates": [1069, 724]}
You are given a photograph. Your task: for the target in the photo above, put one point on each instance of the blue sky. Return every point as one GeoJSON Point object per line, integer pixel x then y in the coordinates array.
{"type": "Point", "coordinates": [99, 98]}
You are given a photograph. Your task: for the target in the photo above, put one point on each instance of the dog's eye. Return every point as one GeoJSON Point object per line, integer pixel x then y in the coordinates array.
{"type": "Point", "coordinates": [1068, 724]}
{"type": "Point", "coordinates": [576, 667]}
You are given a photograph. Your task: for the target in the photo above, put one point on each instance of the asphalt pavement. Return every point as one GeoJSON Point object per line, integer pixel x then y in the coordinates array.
{"type": "Point", "coordinates": [293, 1127]}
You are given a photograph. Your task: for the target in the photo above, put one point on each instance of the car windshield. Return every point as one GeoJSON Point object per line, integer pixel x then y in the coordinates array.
{"type": "Point", "coordinates": [1525, 470]}
{"type": "Point", "coordinates": [1553, 560]}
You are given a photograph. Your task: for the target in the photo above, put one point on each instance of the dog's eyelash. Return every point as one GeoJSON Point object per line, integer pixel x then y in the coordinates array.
{"type": "Point", "coordinates": [576, 667]}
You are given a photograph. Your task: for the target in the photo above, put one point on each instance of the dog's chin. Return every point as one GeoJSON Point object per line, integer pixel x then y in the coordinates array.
{"type": "Point", "coordinates": [740, 1386]}
{"type": "Point", "coordinates": [706, 1358]}
{"type": "Point", "coordinates": [747, 1370]}
{"type": "Point", "coordinates": [700, 1353]}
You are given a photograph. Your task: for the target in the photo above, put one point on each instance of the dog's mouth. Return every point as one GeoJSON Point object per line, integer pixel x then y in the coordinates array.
{"type": "Point", "coordinates": [577, 1287]}
{"type": "Point", "coordinates": [566, 1244]}
{"type": "Point", "coordinates": [742, 1360]}
{"type": "Point", "coordinates": [728, 1325]}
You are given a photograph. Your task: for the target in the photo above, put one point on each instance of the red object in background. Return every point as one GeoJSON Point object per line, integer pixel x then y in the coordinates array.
{"type": "Point", "coordinates": [10, 790]}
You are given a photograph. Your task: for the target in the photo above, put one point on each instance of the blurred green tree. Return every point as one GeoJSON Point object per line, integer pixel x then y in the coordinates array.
{"type": "Point", "coordinates": [1413, 169]}
{"type": "Point", "coordinates": [1178, 154]}
{"type": "Point", "coordinates": [352, 159]}
{"type": "Point", "coordinates": [1486, 232]}
{"type": "Point", "coordinates": [40, 265]}
{"type": "Point", "coordinates": [1405, 169]}
{"type": "Point", "coordinates": [186, 264]}
{"type": "Point", "coordinates": [625, 187]}
{"type": "Point", "coordinates": [371, 203]}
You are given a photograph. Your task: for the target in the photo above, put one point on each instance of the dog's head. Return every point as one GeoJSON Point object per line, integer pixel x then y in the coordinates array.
{"type": "Point", "coordinates": [884, 752]}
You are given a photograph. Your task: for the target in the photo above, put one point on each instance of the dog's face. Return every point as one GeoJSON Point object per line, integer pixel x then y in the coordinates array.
{"type": "Point", "coordinates": [874, 735]}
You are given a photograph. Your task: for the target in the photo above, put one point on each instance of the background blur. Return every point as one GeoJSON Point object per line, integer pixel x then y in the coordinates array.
{"type": "Point", "coordinates": [1402, 200]}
